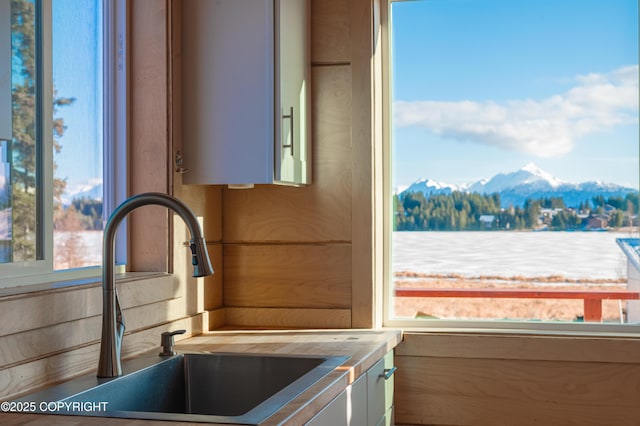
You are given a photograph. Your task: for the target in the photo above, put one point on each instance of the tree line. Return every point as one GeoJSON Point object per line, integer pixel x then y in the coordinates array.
{"type": "Point", "coordinates": [460, 211]}
{"type": "Point", "coordinates": [83, 214]}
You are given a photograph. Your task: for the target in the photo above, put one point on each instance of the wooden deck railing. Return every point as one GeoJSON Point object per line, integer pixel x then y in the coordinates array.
{"type": "Point", "coordinates": [592, 298]}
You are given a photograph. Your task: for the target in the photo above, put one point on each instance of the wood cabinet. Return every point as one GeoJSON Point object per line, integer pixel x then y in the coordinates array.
{"type": "Point", "coordinates": [246, 91]}
{"type": "Point", "coordinates": [366, 402]}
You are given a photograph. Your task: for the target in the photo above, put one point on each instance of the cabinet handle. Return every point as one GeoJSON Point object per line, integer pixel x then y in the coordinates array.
{"type": "Point", "coordinates": [388, 372]}
{"type": "Point", "coordinates": [291, 127]}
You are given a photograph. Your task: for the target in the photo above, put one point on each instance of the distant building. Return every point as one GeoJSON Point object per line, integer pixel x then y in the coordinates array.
{"type": "Point", "coordinates": [598, 222]}
{"type": "Point", "coordinates": [487, 220]}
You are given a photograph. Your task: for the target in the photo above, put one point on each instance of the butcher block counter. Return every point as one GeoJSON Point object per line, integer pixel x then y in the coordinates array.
{"type": "Point", "coordinates": [364, 348]}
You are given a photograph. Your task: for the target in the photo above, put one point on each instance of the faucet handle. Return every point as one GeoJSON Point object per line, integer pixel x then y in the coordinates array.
{"type": "Point", "coordinates": [166, 341]}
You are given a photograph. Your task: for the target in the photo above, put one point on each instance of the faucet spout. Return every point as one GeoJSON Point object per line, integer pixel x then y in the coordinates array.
{"type": "Point", "coordinates": [112, 318]}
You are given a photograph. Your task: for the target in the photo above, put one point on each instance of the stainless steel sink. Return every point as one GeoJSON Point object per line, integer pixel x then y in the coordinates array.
{"type": "Point", "coordinates": [205, 387]}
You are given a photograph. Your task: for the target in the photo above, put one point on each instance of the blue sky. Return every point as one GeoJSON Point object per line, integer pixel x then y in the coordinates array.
{"type": "Point", "coordinates": [488, 86]}
{"type": "Point", "coordinates": [77, 64]}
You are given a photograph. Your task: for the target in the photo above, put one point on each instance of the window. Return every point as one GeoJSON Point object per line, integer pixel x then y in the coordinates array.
{"type": "Point", "coordinates": [64, 91]}
{"type": "Point", "coordinates": [513, 193]}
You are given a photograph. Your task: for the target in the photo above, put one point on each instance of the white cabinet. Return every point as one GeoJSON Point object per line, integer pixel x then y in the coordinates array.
{"type": "Point", "coordinates": [348, 408]}
{"type": "Point", "coordinates": [366, 402]}
{"type": "Point", "coordinates": [5, 70]}
{"type": "Point", "coordinates": [245, 91]}
{"type": "Point", "coordinates": [380, 387]}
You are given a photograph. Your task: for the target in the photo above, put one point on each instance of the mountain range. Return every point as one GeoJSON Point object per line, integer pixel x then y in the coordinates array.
{"type": "Point", "coordinates": [90, 191]}
{"type": "Point", "coordinates": [528, 182]}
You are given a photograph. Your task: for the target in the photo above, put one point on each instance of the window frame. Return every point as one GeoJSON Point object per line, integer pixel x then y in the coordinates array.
{"type": "Point", "coordinates": [385, 289]}
{"type": "Point", "coordinates": [115, 131]}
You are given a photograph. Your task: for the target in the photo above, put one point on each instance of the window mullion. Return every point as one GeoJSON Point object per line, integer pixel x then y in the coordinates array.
{"type": "Point", "coordinates": [45, 136]}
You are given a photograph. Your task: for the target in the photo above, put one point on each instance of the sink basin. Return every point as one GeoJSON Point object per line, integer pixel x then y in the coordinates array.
{"type": "Point", "coordinates": [205, 387]}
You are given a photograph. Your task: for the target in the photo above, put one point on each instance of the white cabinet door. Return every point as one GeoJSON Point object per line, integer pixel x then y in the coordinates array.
{"type": "Point", "coordinates": [349, 408]}
{"type": "Point", "coordinates": [227, 91]}
{"type": "Point", "coordinates": [245, 91]}
{"type": "Point", "coordinates": [368, 401]}
{"type": "Point", "coordinates": [292, 79]}
{"type": "Point", "coordinates": [380, 388]}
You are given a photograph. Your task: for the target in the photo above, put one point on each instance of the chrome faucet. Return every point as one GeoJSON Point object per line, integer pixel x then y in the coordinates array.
{"type": "Point", "coordinates": [112, 319]}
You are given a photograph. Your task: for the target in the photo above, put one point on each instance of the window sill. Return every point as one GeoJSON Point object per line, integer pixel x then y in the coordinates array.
{"type": "Point", "coordinates": [71, 284]}
{"type": "Point", "coordinates": [524, 347]}
{"type": "Point", "coordinates": [571, 330]}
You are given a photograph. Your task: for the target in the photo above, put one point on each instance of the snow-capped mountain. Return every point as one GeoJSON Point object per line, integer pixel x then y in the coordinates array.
{"type": "Point", "coordinates": [528, 182]}
{"type": "Point", "coordinates": [530, 176]}
{"type": "Point", "coordinates": [91, 191]}
{"type": "Point", "coordinates": [429, 187]}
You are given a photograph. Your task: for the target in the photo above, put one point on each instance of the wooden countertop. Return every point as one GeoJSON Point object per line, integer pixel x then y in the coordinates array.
{"type": "Point", "coordinates": [364, 347]}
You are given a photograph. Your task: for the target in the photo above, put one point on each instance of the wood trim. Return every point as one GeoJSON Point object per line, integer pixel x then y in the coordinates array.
{"type": "Point", "coordinates": [521, 347]}
{"type": "Point", "coordinates": [519, 293]}
{"type": "Point", "coordinates": [149, 228]}
{"type": "Point", "coordinates": [288, 317]}
{"type": "Point", "coordinates": [217, 318]}
{"type": "Point", "coordinates": [362, 219]}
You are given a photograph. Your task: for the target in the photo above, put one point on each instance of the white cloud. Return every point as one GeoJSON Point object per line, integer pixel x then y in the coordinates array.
{"type": "Point", "coordinates": [543, 128]}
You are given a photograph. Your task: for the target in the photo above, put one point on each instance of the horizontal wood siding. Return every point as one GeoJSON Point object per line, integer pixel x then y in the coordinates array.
{"type": "Point", "coordinates": [523, 380]}
{"type": "Point", "coordinates": [288, 318]}
{"type": "Point", "coordinates": [65, 340]}
{"type": "Point", "coordinates": [293, 276]}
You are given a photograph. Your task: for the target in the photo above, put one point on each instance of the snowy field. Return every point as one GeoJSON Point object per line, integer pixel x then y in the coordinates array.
{"type": "Point", "coordinates": [574, 255]}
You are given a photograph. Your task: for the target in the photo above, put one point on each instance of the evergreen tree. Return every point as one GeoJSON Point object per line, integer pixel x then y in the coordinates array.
{"type": "Point", "coordinates": [24, 146]}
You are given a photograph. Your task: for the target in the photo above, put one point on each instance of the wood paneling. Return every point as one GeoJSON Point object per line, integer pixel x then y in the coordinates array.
{"type": "Point", "coordinates": [63, 320]}
{"type": "Point", "coordinates": [42, 342]}
{"type": "Point", "coordinates": [465, 391]}
{"type": "Point", "coordinates": [213, 288]}
{"type": "Point", "coordinates": [295, 276]}
{"type": "Point", "coordinates": [458, 379]}
{"type": "Point", "coordinates": [149, 133]}
{"type": "Point", "coordinates": [64, 305]}
{"type": "Point", "coordinates": [288, 318]}
{"type": "Point", "coordinates": [29, 376]}
{"type": "Point", "coordinates": [362, 138]}
{"type": "Point", "coordinates": [330, 31]}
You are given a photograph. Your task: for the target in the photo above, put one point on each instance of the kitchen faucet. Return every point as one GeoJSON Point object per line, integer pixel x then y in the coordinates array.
{"type": "Point", "coordinates": [112, 320]}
